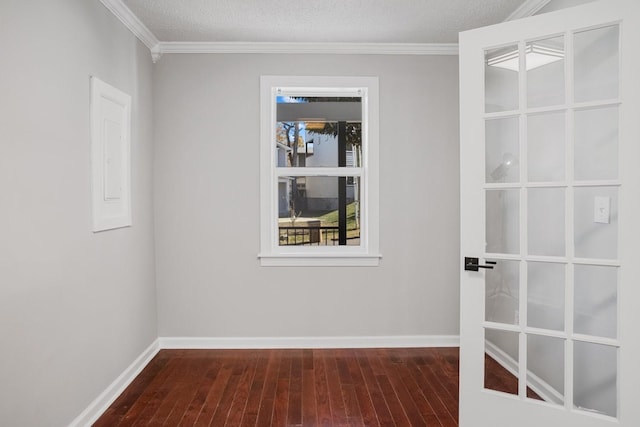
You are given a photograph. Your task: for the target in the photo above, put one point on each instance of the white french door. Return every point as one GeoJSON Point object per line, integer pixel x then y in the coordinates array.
{"type": "Point", "coordinates": [550, 219]}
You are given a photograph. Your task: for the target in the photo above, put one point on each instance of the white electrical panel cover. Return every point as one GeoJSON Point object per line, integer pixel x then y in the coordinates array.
{"type": "Point", "coordinates": [110, 156]}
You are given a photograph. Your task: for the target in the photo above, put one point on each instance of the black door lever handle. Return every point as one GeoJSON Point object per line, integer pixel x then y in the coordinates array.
{"type": "Point", "coordinates": [472, 264]}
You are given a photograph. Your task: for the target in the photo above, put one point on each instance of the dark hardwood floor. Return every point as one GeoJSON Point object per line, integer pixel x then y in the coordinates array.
{"type": "Point", "coordinates": [355, 387]}
{"type": "Point", "coordinates": [345, 387]}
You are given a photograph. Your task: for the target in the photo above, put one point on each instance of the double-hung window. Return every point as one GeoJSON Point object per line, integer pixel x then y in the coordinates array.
{"type": "Point", "coordinates": [319, 171]}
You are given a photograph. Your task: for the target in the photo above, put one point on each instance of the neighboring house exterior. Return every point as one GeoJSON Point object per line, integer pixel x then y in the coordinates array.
{"type": "Point", "coordinates": [318, 194]}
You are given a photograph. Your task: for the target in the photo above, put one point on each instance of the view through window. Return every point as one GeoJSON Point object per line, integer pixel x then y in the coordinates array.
{"type": "Point", "coordinates": [319, 132]}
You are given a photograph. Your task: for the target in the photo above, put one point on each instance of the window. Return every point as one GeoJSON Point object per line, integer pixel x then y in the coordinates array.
{"type": "Point", "coordinates": [319, 171]}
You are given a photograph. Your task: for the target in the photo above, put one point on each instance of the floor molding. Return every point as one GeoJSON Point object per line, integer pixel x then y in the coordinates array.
{"type": "Point", "coordinates": [107, 397]}
{"type": "Point", "coordinates": [309, 342]}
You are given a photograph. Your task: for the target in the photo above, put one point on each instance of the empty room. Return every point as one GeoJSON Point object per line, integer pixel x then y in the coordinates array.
{"type": "Point", "coordinates": [331, 213]}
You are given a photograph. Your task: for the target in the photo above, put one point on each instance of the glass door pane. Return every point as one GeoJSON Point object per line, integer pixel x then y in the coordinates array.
{"type": "Point", "coordinates": [596, 64]}
{"type": "Point", "coordinates": [544, 60]}
{"type": "Point", "coordinates": [546, 295]}
{"type": "Point", "coordinates": [545, 368]}
{"type": "Point", "coordinates": [546, 217]}
{"type": "Point", "coordinates": [501, 360]}
{"type": "Point", "coordinates": [596, 301]}
{"type": "Point", "coordinates": [501, 79]}
{"type": "Point", "coordinates": [502, 293]}
{"type": "Point", "coordinates": [595, 378]}
{"type": "Point", "coordinates": [502, 150]}
{"type": "Point", "coordinates": [596, 143]}
{"type": "Point", "coordinates": [546, 147]}
{"type": "Point", "coordinates": [503, 221]}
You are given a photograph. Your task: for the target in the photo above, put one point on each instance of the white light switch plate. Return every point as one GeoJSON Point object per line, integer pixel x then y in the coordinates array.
{"type": "Point", "coordinates": [602, 210]}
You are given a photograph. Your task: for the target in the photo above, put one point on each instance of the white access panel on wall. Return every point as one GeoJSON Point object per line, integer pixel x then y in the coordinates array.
{"type": "Point", "coordinates": [110, 156]}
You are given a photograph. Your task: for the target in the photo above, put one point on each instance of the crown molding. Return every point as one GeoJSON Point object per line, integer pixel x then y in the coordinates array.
{"type": "Point", "coordinates": [311, 48]}
{"type": "Point", "coordinates": [158, 48]}
{"type": "Point", "coordinates": [135, 25]}
{"type": "Point", "coordinates": [528, 8]}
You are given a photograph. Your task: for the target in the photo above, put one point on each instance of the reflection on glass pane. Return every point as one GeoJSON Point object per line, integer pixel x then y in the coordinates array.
{"type": "Point", "coordinates": [501, 79]}
{"type": "Point", "coordinates": [501, 361]}
{"type": "Point", "coordinates": [596, 143]}
{"type": "Point", "coordinates": [312, 209]}
{"type": "Point", "coordinates": [502, 290]}
{"type": "Point", "coordinates": [545, 295]}
{"type": "Point", "coordinates": [595, 378]}
{"type": "Point", "coordinates": [502, 150]}
{"type": "Point", "coordinates": [307, 131]}
{"type": "Point", "coordinates": [545, 72]}
{"type": "Point", "coordinates": [596, 222]}
{"type": "Point", "coordinates": [546, 147]}
{"type": "Point", "coordinates": [545, 228]}
{"type": "Point", "coordinates": [545, 368]}
{"type": "Point", "coordinates": [318, 144]}
{"type": "Point", "coordinates": [503, 221]}
{"type": "Point", "coordinates": [596, 300]}
{"type": "Point", "coordinates": [596, 64]}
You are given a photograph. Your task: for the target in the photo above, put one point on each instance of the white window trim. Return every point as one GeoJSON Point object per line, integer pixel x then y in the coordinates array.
{"type": "Point", "coordinates": [272, 254]}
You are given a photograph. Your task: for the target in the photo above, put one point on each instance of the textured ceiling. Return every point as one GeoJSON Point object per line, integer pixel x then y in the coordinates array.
{"type": "Point", "coordinates": [356, 21]}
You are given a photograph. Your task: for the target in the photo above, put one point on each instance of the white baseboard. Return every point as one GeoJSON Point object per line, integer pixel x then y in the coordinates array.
{"type": "Point", "coordinates": [309, 342]}
{"type": "Point", "coordinates": [107, 397]}
{"type": "Point", "coordinates": [534, 382]}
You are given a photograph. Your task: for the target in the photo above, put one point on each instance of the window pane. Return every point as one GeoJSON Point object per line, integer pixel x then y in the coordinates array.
{"type": "Point", "coordinates": [545, 72]}
{"type": "Point", "coordinates": [596, 143]}
{"type": "Point", "coordinates": [545, 368]}
{"type": "Point", "coordinates": [319, 131]}
{"type": "Point", "coordinates": [545, 295]}
{"type": "Point", "coordinates": [503, 221]}
{"type": "Point", "coordinates": [545, 227]}
{"type": "Point", "coordinates": [546, 147]}
{"type": "Point", "coordinates": [596, 64]}
{"type": "Point", "coordinates": [502, 292]}
{"type": "Point", "coordinates": [319, 210]}
{"type": "Point", "coordinates": [502, 150]}
{"type": "Point", "coordinates": [501, 360]}
{"type": "Point", "coordinates": [501, 79]}
{"type": "Point", "coordinates": [596, 300]}
{"type": "Point", "coordinates": [595, 378]}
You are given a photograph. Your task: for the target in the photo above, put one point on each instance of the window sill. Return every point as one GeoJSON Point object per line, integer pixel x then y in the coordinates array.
{"type": "Point", "coordinates": [288, 260]}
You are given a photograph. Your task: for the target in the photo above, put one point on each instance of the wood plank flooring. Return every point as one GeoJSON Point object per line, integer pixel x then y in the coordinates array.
{"type": "Point", "coordinates": [343, 387]}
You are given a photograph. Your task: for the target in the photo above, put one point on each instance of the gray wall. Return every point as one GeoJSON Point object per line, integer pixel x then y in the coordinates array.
{"type": "Point", "coordinates": [209, 280]}
{"type": "Point", "coordinates": [76, 308]}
